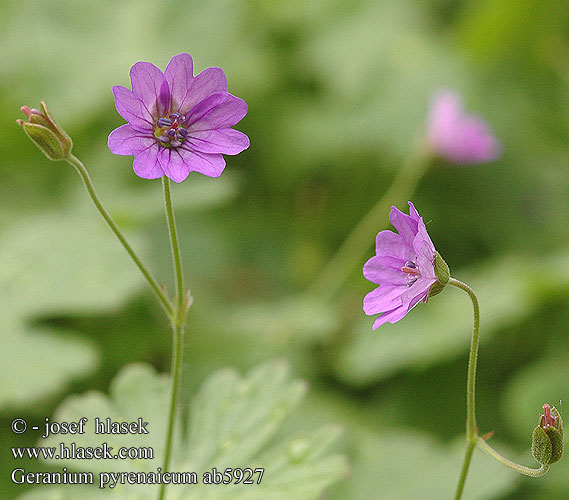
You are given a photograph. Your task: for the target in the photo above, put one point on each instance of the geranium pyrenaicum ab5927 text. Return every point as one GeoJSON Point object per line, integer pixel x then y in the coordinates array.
{"type": "Point", "coordinates": [177, 123]}
{"type": "Point", "coordinates": [404, 268]}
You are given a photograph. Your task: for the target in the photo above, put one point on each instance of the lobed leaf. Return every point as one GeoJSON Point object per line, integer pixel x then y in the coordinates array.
{"type": "Point", "coordinates": [233, 422]}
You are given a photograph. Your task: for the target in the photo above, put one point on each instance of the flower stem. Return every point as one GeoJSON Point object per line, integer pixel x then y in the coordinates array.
{"type": "Point", "coordinates": [178, 323]}
{"type": "Point", "coordinates": [338, 269]}
{"type": "Point", "coordinates": [522, 469]}
{"type": "Point", "coordinates": [465, 465]}
{"type": "Point", "coordinates": [176, 255]}
{"type": "Point", "coordinates": [177, 356]}
{"type": "Point", "coordinates": [156, 288]}
{"type": "Point", "coordinates": [471, 428]}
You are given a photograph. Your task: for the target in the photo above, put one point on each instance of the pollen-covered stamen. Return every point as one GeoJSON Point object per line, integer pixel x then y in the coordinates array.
{"type": "Point", "coordinates": [169, 131]}
{"type": "Point", "coordinates": [413, 273]}
{"type": "Point", "coordinates": [547, 419]}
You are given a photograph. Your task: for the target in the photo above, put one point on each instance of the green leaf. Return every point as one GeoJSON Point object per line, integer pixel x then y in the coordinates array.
{"type": "Point", "coordinates": [408, 465]}
{"type": "Point", "coordinates": [35, 362]}
{"type": "Point", "coordinates": [62, 264]}
{"type": "Point", "coordinates": [234, 422]}
{"type": "Point", "coordinates": [55, 264]}
{"type": "Point", "coordinates": [279, 321]}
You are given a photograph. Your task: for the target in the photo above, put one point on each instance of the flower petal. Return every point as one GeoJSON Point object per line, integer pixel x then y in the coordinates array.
{"type": "Point", "coordinates": [180, 76]}
{"type": "Point", "coordinates": [405, 225]}
{"type": "Point", "coordinates": [147, 84]}
{"type": "Point", "coordinates": [422, 237]}
{"type": "Point", "coordinates": [413, 212]}
{"type": "Point", "coordinates": [417, 292]}
{"type": "Point", "coordinates": [391, 316]}
{"type": "Point", "coordinates": [383, 298]}
{"type": "Point", "coordinates": [389, 243]}
{"type": "Point", "coordinates": [208, 82]}
{"type": "Point", "coordinates": [458, 137]}
{"type": "Point", "coordinates": [178, 163]}
{"type": "Point", "coordinates": [218, 111]}
{"type": "Point", "coordinates": [385, 269]}
{"type": "Point", "coordinates": [446, 109]}
{"type": "Point", "coordinates": [425, 261]}
{"type": "Point", "coordinates": [474, 143]}
{"type": "Point", "coordinates": [131, 109]}
{"type": "Point", "coordinates": [146, 163]}
{"type": "Point", "coordinates": [226, 140]}
{"type": "Point", "coordinates": [127, 141]}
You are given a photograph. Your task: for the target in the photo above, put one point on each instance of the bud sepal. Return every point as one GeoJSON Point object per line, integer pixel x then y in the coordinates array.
{"type": "Point", "coordinates": [442, 272]}
{"type": "Point", "coordinates": [547, 437]}
{"type": "Point", "coordinates": [47, 135]}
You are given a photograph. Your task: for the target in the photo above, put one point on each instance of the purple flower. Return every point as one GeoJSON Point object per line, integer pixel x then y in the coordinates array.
{"type": "Point", "coordinates": [457, 137]}
{"type": "Point", "coordinates": [404, 268]}
{"type": "Point", "coordinates": [177, 123]}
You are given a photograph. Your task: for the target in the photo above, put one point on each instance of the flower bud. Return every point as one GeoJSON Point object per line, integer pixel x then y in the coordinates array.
{"type": "Point", "coordinates": [442, 272]}
{"type": "Point", "coordinates": [547, 437]}
{"type": "Point", "coordinates": [45, 133]}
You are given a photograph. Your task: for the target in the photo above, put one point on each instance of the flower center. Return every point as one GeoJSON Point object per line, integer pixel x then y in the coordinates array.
{"type": "Point", "coordinates": [169, 131]}
{"type": "Point", "coordinates": [547, 419]}
{"type": "Point", "coordinates": [413, 274]}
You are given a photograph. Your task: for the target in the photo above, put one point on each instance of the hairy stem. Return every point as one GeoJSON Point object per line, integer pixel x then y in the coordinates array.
{"type": "Point", "coordinates": [522, 469]}
{"type": "Point", "coordinates": [178, 324]}
{"type": "Point", "coordinates": [465, 466]}
{"type": "Point", "coordinates": [471, 428]}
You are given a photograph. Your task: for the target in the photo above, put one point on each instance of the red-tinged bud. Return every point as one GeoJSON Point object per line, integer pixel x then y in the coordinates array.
{"type": "Point", "coordinates": [42, 129]}
{"type": "Point", "coordinates": [547, 437]}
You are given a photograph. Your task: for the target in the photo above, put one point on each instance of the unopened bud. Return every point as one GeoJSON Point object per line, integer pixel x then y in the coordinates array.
{"type": "Point", "coordinates": [45, 133]}
{"type": "Point", "coordinates": [547, 437]}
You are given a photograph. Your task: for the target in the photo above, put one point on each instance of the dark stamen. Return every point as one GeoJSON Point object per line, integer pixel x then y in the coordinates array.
{"type": "Point", "coordinates": [164, 122]}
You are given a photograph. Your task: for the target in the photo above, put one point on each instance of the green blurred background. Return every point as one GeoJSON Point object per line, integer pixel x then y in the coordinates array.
{"type": "Point", "coordinates": [337, 91]}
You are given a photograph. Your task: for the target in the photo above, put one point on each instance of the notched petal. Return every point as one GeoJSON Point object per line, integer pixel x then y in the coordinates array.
{"type": "Point", "coordinates": [131, 108]}
{"type": "Point", "coordinates": [227, 141]}
{"type": "Point", "coordinates": [127, 141]}
{"type": "Point", "coordinates": [218, 111]}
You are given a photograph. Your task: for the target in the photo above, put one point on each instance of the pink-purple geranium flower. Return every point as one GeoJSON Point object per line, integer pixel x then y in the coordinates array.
{"type": "Point", "coordinates": [404, 268]}
{"type": "Point", "coordinates": [177, 123]}
{"type": "Point", "coordinates": [457, 137]}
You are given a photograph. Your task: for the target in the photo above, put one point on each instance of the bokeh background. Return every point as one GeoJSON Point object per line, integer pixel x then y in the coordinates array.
{"type": "Point", "coordinates": [337, 92]}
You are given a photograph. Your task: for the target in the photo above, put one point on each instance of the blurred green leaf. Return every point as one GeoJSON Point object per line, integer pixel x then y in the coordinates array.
{"type": "Point", "coordinates": [59, 263]}
{"type": "Point", "coordinates": [37, 362]}
{"type": "Point", "coordinates": [55, 264]}
{"type": "Point", "coordinates": [233, 423]}
{"type": "Point", "coordinates": [280, 321]}
{"type": "Point", "coordinates": [403, 464]}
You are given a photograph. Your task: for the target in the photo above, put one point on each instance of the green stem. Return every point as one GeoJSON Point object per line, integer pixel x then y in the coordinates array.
{"type": "Point", "coordinates": [522, 469]}
{"type": "Point", "coordinates": [471, 428]}
{"type": "Point", "coordinates": [177, 356]}
{"type": "Point", "coordinates": [156, 288]}
{"type": "Point", "coordinates": [338, 269]}
{"type": "Point", "coordinates": [179, 319]}
{"type": "Point", "coordinates": [176, 255]}
{"type": "Point", "coordinates": [465, 466]}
